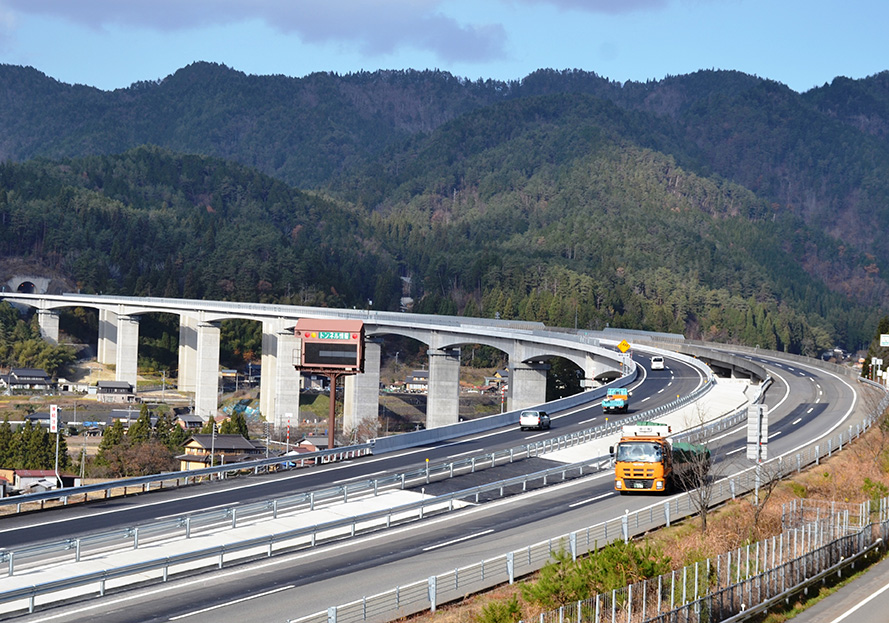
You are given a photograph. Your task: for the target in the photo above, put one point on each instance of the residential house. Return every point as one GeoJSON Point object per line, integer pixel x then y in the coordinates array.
{"type": "Point", "coordinates": [115, 391]}
{"type": "Point", "coordinates": [189, 421]}
{"type": "Point", "coordinates": [27, 380]}
{"type": "Point", "coordinates": [225, 449]}
{"type": "Point", "coordinates": [36, 480]}
{"type": "Point", "coordinates": [417, 381]}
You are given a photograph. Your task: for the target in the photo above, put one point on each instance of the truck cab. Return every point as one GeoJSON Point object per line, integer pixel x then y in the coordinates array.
{"type": "Point", "coordinates": [617, 400]}
{"type": "Point", "coordinates": [643, 458]}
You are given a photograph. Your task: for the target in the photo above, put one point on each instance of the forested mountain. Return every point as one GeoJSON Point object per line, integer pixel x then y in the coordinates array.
{"type": "Point", "coordinates": [717, 204]}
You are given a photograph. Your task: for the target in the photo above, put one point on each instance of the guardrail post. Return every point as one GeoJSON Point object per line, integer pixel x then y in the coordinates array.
{"type": "Point", "coordinates": [136, 537]}
{"type": "Point", "coordinates": [11, 562]}
{"type": "Point", "coordinates": [275, 508]}
{"type": "Point", "coordinates": [432, 592]}
{"type": "Point", "coordinates": [311, 500]}
{"type": "Point", "coordinates": [234, 518]}
{"type": "Point", "coordinates": [345, 494]}
{"type": "Point", "coordinates": [331, 614]}
{"type": "Point", "coordinates": [572, 543]}
{"type": "Point", "coordinates": [77, 550]}
{"type": "Point", "coordinates": [625, 526]}
{"type": "Point", "coordinates": [667, 512]}
{"type": "Point", "coordinates": [510, 567]}
{"type": "Point", "coordinates": [817, 455]}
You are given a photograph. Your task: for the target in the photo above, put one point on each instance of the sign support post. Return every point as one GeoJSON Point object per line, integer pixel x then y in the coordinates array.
{"type": "Point", "coordinates": [333, 348]}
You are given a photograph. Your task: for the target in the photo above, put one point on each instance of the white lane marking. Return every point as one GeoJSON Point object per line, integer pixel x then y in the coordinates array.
{"type": "Point", "coordinates": [537, 435]}
{"type": "Point", "coordinates": [598, 497]}
{"type": "Point", "coordinates": [209, 508]}
{"type": "Point", "coordinates": [236, 601]}
{"type": "Point", "coordinates": [773, 435]}
{"type": "Point", "coordinates": [460, 540]}
{"type": "Point", "coordinates": [862, 604]}
{"type": "Point", "coordinates": [453, 456]}
{"type": "Point", "coordinates": [325, 550]}
{"type": "Point", "coordinates": [291, 477]}
{"type": "Point", "coordinates": [796, 421]}
{"type": "Point", "coordinates": [734, 451]}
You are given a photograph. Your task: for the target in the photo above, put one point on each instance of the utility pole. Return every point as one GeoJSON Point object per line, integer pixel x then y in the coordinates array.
{"type": "Point", "coordinates": [213, 445]}
{"type": "Point", "coordinates": [54, 428]}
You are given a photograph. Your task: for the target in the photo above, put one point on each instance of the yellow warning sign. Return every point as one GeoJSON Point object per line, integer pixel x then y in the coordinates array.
{"type": "Point", "coordinates": [624, 346]}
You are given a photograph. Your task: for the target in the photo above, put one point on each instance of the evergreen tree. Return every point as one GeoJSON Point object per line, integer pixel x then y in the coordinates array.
{"type": "Point", "coordinates": [141, 432]}
{"type": "Point", "coordinates": [235, 425]}
{"type": "Point", "coordinates": [6, 448]}
{"type": "Point", "coordinates": [113, 437]}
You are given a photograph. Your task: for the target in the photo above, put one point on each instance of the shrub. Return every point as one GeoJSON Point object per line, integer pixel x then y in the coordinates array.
{"type": "Point", "coordinates": [507, 611]}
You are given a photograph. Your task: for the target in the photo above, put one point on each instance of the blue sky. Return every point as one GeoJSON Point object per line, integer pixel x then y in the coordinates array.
{"type": "Point", "coordinates": [112, 43]}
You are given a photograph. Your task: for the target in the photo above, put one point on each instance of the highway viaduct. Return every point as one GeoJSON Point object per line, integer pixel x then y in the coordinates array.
{"type": "Point", "coordinates": [527, 346]}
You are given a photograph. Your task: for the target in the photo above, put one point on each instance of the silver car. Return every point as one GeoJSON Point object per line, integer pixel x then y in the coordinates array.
{"type": "Point", "coordinates": [533, 419]}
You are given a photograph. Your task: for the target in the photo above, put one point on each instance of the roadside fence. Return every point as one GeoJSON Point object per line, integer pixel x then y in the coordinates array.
{"type": "Point", "coordinates": [440, 589]}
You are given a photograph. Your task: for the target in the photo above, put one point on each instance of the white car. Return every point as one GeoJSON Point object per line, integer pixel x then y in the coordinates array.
{"type": "Point", "coordinates": [533, 419]}
{"type": "Point", "coordinates": [657, 363]}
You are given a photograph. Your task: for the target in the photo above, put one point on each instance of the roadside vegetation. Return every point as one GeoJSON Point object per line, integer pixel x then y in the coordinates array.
{"type": "Point", "coordinates": [860, 473]}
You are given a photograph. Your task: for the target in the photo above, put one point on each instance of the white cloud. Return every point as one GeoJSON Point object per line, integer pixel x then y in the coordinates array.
{"type": "Point", "coordinates": [371, 26]}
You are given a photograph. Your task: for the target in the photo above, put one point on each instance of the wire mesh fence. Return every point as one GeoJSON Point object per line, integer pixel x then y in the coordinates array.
{"type": "Point", "coordinates": [706, 592]}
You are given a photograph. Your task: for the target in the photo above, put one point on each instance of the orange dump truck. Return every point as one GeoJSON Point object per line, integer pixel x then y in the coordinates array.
{"type": "Point", "coordinates": [647, 460]}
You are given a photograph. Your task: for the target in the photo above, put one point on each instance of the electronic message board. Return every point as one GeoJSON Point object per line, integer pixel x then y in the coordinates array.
{"type": "Point", "coordinates": [336, 345]}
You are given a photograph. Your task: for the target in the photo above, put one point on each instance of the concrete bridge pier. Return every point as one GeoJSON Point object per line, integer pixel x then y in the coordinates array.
{"type": "Point", "coordinates": [49, 325]}
{"type": "Point", "coordinates": [527, 384]}
{"type": "Point", "coordinates": [188, 348]}
{"type": "Point", "coordinates": [206, 391]}
{"type": "Point", "coordinates": [106, 347]}
{"type": "Point", "coordinates": [361, 396]}
{"type": "Point", "coordinates": [127, 355]}
{"type": "Point", "coordinates": [443, 400]}
{"type": "Point", "coordinates": [279, 382]}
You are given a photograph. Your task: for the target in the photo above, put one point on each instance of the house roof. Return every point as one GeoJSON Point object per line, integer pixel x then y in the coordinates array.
{"type": "Point", "coordinates": [114, 385]}
{"type": "Point", "coordinates": [29, 373]}
{"type": "Point", "coordinates": [223, 442]}
{"type": "Point", "coordinates": [418, 376]}
{"type": "Point", "coordinates": [34, 473]}
{"type": "Point", "coordinates": [190, 417]}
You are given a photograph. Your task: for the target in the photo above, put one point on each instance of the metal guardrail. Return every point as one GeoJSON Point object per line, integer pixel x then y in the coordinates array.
{"type": "Point", "coordinates": [144, 483]}
{"type": "Point", "coordinates": [231, 517]}
{"type": "Point", "coordinates": [439, 589]}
